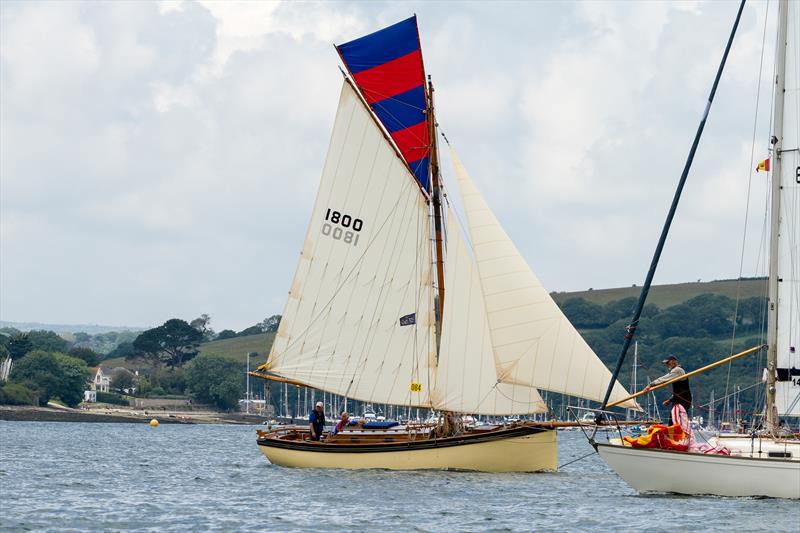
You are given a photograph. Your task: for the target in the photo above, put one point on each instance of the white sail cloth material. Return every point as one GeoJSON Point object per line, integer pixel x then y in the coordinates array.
{"type": "Point", "coordinates": [787, 389]}
{"type": "Point", "coordinates": [366, 263]}
{"type": "Point", "coordinates": [466, 377]}
{"type": "Point", "coordinates": [533, 342]}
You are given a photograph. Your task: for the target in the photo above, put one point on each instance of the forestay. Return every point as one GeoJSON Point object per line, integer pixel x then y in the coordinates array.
{"type": "Point", "coordinates": [787, 393]}
{"type": "Point", "coordinates": [534, 344]}
{"type": "Point", "coordinates": [365, 263]}
{"type": "Point", "coordinates": [466, 378]}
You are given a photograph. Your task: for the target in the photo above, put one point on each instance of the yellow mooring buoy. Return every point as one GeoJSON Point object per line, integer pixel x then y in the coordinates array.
{"type": "Point", "coordinates": [154, 423]}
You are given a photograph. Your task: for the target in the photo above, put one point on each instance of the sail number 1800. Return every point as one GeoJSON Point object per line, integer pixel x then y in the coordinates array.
{"type": "Point", "coordinates": [342, 227]}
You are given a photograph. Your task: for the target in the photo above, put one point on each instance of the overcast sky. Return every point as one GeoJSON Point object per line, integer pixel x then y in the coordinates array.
{"type": "Point", "coordinates": [161, 160]}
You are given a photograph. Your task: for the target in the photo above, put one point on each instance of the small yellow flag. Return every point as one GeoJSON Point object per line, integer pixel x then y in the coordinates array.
{"type": "Point", "coordinates": [416, 387]}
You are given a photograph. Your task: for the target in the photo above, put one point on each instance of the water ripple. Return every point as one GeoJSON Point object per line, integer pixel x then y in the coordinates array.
{"type": "Point", "coordinates": [131, 477]}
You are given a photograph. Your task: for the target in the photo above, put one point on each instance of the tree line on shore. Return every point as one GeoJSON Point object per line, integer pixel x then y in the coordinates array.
{"type": "Point", "coordinates": [697, 331]}
{"type": "Point", "coordinates": [49, 367]}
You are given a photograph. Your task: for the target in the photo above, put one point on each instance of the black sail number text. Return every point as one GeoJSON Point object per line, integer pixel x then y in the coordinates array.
{"type": "Point", "coordinates": [342, 227]}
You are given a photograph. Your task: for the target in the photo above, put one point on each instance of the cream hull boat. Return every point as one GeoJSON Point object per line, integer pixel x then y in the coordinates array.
{"type": "Point", "coordinates": [516, 449]}
{"type": "Point", "coordinates": [653, 470]}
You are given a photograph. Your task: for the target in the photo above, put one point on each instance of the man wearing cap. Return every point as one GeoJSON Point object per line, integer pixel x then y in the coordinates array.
{"type": "Point", "coordinates": [681, 398]}
{"type": "Point", "coordinates": [316, 421]}
{"type": "Point", "coordinates": [681, 393]}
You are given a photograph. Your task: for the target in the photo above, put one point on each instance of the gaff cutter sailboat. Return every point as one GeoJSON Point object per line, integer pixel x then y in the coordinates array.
{"type": "Point", "coordinates": [391, 305]}
{"type": "Point", "coordinates": [768, 462]}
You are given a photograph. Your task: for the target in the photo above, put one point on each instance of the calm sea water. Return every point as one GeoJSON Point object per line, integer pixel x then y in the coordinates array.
{"type": "Point", "coordinates": [74, 476]}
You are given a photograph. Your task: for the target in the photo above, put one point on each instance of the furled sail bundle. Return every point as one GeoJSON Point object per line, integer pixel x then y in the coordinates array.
{"type": "Point", "coordinates": [387, 68]}
{"type": "Point", "coordinates": [534, 344]}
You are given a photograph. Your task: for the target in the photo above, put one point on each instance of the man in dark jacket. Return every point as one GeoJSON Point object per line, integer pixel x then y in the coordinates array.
{"type": "Point", "coordinates": [316, 421]}
{"type": "Point", "coordinates": [681, 393]}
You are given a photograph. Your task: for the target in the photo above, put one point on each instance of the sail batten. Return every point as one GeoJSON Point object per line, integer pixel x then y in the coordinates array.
{"type": "Point", "coordinates": [534, 343]}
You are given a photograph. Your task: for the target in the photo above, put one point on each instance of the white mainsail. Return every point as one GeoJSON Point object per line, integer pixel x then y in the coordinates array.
{"type": "Point", "coordinates": [787, 388]}
{"type": "Point", "coordinates": [365, 263]}
{"type": "Point", "coordinates": [534, 344]}
{"type": "Point", "coordinates": [466, 377]}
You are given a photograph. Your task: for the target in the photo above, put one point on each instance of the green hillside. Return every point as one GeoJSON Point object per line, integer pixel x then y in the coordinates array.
{"type": "Point", "coordinates": [238, 347]}
{"type": "Point", "coordinates": [668, 295]}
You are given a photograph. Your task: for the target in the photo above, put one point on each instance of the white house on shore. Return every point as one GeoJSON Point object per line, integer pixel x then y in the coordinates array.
{"type": "Point", "coordinates": [100, 383]}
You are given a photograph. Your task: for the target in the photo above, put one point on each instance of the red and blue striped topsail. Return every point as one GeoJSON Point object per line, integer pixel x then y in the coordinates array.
{"type": "Point", "coordinates": [387, 67]}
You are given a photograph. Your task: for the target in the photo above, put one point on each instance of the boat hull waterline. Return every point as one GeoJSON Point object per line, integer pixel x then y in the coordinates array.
{"type": "Point", "coordinates": [523, 449]}
{"type": "Point", "coordinates": [653, 470]}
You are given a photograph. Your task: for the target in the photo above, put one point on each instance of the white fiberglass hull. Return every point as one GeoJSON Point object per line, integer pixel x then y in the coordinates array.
{"type": "Point", "coordinates": [651, 470]}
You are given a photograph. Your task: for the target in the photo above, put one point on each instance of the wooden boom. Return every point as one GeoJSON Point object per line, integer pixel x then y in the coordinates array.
{"type": "Point", "coordinates": [690, 374]}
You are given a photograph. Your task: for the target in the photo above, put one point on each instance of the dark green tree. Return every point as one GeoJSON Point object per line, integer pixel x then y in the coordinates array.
{"type": "Point", "coordinates": [89, 356]}
{"type": "Point", "coordinates": [216, 380]}
{"type": "Point", "coordinates": [122, 380]}
{"type": "Point", "coordinates": [619, 309]}
{"type": "Point", "coordinates": [73, 375]}
{"type": "Point", "coordinates": [252, 330]}
{"type": "Point", "coordinates": [270, 324]}
{"type": "Point", "coordinates": [48, 341]}
{"type": "Point", "coordinates": [52, 375]}
{"type": "Point", "coordinates": [173, 343]}
{"type": "Point", "coordinates": [124, 349]}
{"type": "Point", "coordinates": [584, 314]}
{"type": "Point", "coordinates": [226, 334]}
{"type": "Point", "coordinates": [203, 325]}
{"type": "Point", "coordinates": [82, 337]}
{"type": "Point", "coordinates": [19, 346]}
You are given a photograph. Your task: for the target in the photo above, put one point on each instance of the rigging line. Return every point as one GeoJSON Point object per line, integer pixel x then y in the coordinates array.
{"type": "Point", "coordinates": [749, 178]}
{"type": "Point", "coordinates": [364, 191]}
{"type": "Point", "coordinates": [707, 404]}
{"type": "Point", "coordinates": [370, 285]}
{"type": "Point", "coordinates": [671, 214]}
{"type": "Point", "coordinates": [749, 188]}
{"type": "Point", "coordinates": [576, 460]}
{"type": "Point", "coordinates": [513, 401]}
{"type": "Point", "coordinates": [328, 157]}
{"type": "Point", "coordinates": [381, 300]}
{"type": "Point", "coordinates": [393, 98]}
{"type": "Point", "coordinates": [350, 273]}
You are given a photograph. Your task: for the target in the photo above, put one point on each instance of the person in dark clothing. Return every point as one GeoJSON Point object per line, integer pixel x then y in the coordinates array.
{"type": "Point", "coordinates": [316, 421]}
{"type": "Point", "coordinates": [681, 392]}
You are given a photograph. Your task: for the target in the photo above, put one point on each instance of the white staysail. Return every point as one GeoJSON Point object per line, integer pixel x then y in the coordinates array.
{"type": "Point", "coordinates": [787, 388]}
{"type": "Point", "coordinates": [466, 377]}
{"type": "Point", "coordinates": [365, 263]}
{"type": "Point", "coordinates": [534, 343]}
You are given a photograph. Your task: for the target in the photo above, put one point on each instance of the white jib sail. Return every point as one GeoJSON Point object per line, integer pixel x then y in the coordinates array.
{"type": "Point", "coordinates": [365, 263]}
{"type": "Point", "coordinates": [534, 343]}
{"type": "Point", "coordinates": [787, 388]}
{"type": "Point", "coordinates": [466, 377]}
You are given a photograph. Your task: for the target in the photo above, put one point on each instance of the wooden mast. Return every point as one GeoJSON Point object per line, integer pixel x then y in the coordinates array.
{"type": "Point", "coordinates": [437, 206]}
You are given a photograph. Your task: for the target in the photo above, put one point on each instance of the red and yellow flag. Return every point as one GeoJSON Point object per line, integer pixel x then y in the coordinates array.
{"type": "Point", "coordinates": [764, 165]}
